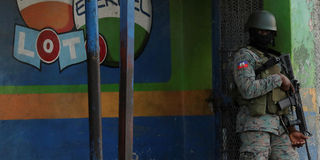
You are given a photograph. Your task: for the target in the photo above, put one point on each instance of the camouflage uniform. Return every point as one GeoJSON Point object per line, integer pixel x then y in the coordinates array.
{"type": "Point", "coordinates": [262, 137]}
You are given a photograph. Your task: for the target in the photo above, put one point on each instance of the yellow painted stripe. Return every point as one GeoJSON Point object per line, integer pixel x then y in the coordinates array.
{"type": "Point", "coordinates": [75, 105]}
{"type": "Point", "coordinates": [309, 99]}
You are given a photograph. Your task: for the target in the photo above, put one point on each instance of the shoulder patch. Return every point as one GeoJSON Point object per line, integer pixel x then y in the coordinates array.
{"type": "Point", "coordinates": [242, 64]}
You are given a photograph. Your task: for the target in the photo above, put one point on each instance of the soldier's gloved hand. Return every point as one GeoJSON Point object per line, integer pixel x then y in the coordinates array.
{"type": "Point", "coordinates": [297, 138]}
{"type": "Point", "coordinates": [286, 83]}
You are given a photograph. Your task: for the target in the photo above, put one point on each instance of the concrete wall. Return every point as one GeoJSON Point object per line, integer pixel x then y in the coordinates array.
{"type": "Point", "coordinates": [304, 56]}
{"type": "Point", "coordinates": [315, 28]}
{"type": "Point", "coordinates": [298, 23]}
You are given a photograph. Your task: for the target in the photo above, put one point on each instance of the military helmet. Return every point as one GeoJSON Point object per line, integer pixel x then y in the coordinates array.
{"type": "Point", "coordinates": [262, 20]}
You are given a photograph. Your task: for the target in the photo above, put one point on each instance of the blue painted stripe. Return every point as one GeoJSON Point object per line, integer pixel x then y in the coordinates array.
{"type": "Point", "coordinates": [160, 138]}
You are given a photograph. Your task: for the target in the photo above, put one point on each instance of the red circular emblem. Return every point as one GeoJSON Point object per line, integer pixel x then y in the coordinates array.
{"type": "Point", "coordinates": [48, 45]}
{"type": "Point", "coordinates": [103, 49]}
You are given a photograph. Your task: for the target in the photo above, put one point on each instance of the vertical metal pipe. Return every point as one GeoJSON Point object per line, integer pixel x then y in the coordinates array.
{"type": "Point", "coordinates": [93, 79]}
{"type": "Point", "coordinates": [126, 79]}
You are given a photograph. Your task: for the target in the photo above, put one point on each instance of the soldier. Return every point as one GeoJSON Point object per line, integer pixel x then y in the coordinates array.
{"type": "Point", "coordinates": [259, 121]}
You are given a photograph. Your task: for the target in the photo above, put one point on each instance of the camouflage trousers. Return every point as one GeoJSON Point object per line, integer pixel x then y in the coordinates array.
{"type": "Point", "coordinates": [264, 146]}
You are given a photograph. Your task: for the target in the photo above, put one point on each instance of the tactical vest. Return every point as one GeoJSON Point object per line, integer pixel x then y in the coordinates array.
{"type": "Point", "coordinates": [266, 103]}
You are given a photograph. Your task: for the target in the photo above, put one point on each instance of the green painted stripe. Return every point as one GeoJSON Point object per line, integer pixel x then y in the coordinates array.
{"type": "Point", "coordinates": [37, 89]}
{"type": "Point", "coordinates": [34, 89]}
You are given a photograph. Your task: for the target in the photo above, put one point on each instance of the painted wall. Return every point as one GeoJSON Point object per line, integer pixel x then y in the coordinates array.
{"type": "Point", "coordinates": [44, 106]}
{"type": "Point", "coordinates": [298, 34]}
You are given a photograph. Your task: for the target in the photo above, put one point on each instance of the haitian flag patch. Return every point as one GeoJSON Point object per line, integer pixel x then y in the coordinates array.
{"type": "Point", "coordinates": [242, 64]}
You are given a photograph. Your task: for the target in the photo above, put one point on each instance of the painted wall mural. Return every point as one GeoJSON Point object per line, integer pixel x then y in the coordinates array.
{"type": "Point", "coordinates": [44, 41]}
{"type": "Point", "coordinates": [43, 79]}
{"type": "Point", "coordinates": [44, 44]}
{"type": "Point", "coordinates": [72, 16]}
{"type": "Point", "coordinates": [109, 24]}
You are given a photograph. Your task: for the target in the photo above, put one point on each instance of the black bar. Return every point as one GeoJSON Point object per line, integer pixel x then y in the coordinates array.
{"type": "Point", "coordinates": [126, 79]}
{"type": "Point", "coordinates": [92, 32]}
{"type": "Point", "coordinates": [94, 108]}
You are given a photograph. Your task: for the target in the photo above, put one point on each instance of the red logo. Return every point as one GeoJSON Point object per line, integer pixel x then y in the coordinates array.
{"type": "Point", "coordinates": [103, 49]}
{"type": "Point", "coordinates": [48, 45]}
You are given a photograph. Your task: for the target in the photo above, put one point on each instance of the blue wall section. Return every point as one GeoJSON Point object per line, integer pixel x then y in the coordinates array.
{"type": "Point", "coordinates": [65, 139]}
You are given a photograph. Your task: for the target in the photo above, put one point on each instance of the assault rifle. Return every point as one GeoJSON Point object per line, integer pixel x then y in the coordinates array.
{"type": "Point", "coordinates": [294, 99]}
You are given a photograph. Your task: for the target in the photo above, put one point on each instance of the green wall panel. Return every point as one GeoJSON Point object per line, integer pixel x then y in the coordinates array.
{"type": "Point", "coordinates": [282, 13]}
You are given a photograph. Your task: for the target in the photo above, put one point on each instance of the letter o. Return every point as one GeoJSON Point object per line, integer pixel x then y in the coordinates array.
{"type": "Point", "coordinates": [48, 45]}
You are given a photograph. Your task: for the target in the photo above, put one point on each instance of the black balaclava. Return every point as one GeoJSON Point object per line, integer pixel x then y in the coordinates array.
{"type": "Point", "coordinates": [261, 41]}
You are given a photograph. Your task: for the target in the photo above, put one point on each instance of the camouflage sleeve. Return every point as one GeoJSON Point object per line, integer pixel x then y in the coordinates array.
{"type": "Point", "coordinates": [245, 78]}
